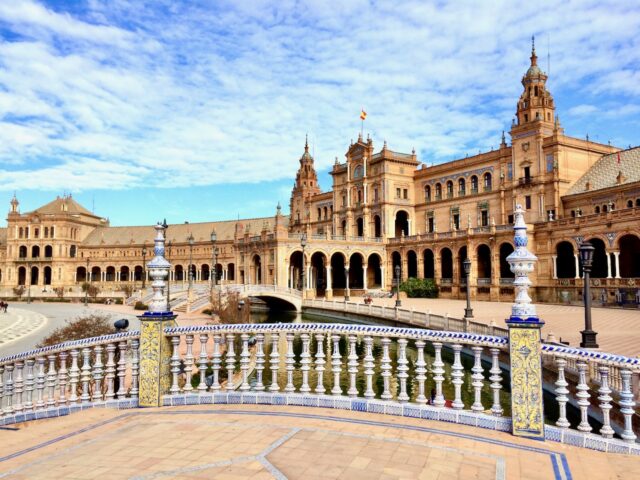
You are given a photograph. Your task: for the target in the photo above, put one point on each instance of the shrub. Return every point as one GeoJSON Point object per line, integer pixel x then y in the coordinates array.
{"type": "Point", "coordinates": [92, 325]}
{"type": "Point", "coordinates": [59, 291]}
{"type": "Point", "coordinates": [230, 308]}
{"type": "Point", "coordinates": [140, 306]}
{"type": "Point", "coordinates": [19, 291]}
{"type": "Point", "coordinates": [420, 288]}
{"type": "Point", "coordinates": [127, 288]}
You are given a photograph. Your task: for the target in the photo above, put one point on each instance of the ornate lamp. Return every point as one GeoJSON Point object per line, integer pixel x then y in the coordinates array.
{"type": "Point", "coordinates": [466, 264]}
{"type": "Point", "coordinates": [397, 270]}
{"type": "Point", "coordinates": [586, 259]}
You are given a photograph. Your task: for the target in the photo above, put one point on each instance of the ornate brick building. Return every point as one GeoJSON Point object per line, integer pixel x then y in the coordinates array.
{"type": "Point", "coordinates": [384, 209]}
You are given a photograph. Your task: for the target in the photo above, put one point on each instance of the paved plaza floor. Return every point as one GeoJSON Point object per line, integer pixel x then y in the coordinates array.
{"type": "Point", "coordinates": [260, 442]}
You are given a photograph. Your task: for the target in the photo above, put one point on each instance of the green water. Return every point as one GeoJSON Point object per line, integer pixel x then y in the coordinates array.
{"type": "Point", "coordinates": [411, 352]}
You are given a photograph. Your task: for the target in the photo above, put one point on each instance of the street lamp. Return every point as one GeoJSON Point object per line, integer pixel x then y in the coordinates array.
{"type": "Point", "coordinates": [586, 259]}
{"type": "Point", "coordinates": [397, 270]}
{"type": "Point", "coordinates": [29, 286]}
{"type": "Point", "coordinates": [303, 244]}
{"type": "Point", "coordinates": [466, 264]}
{"type": "Point", "coordinates": [169, 276]}
{"type": "Point", "coordinates": [87, 275]}
{"type": "Point", "coordinates": [144, 266]}
{"type": "Point", "coordinates": [213, 271]}
{"type": "Point", "coordinates": [190, 239]}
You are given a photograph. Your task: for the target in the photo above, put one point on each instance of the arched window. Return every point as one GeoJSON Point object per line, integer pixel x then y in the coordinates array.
{"type": "Point", "coordinates": [46, 232]}
{"type": "Point", "coordinates": [36, 233]}
{"type": "Point", "coordinates": [597, 209]}
{"type": "Point", "coordinates": [474, 184]}
{"type": "Point", "coordinates": [629, 203]}
{"type": "Point", "coordinates": [52, 230]}
{"type": "Point", "coordinates": [357, 172]}
{"type": "Point", "coordinates": [20, 232]}
{"type": "Point", "coordinates": [487, 182]}
{"type": "Point", "coordinates": [461, 187]}
{"type": "Point", "coordinates": [449, 189]}
{"type": "Point", "coordinates": [319, 214]}
{"type": "Point", "coordinates": [438, 191]}
{"type": "Point", "coordinates": [427, 193]}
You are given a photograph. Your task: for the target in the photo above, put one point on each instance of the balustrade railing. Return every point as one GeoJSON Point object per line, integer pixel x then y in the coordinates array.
{"type": "Point", "coordinates": [71, 374]}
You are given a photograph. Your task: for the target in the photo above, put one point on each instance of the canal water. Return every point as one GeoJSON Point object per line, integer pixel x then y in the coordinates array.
{"type": "Point", "coordinates": [412, 385]}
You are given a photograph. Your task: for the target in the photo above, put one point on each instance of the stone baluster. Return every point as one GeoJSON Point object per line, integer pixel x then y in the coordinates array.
{"type": "Point", "coordinates": [1, 389]}
{"type": "Point", "coordinates": [85, 374]}
{"type": "Point", "coordinates": [336, 365]}
{"type": "Point", "coordinates": [175, 365]}
{"type": "Point", "coordinates": [51, 381]}
{"type": "Point", "coordinates": [98, 373]}
{"type": "Point", "coordinates": [274, 362]}
{"type": "Point", "coordinates": [561, 394]}
{"type": "Point", "coordinates": [403, 370]}
{"type": "Point", "coordinates": [605, 402]}
{"type": "Point", "coordinates": [386, 369]}
{"type": "Point", "coordinates": [290, 364]}
{"type": "Point", "coordinates": [122, 369]}
{"type": "Point", "coordinates": [110, 371]}
{"type": "Point", "coordinates": [29, 384]}
{"type": "Point", "coordinates": [496, 381]}
{"type": "Point", "coordinates": [368, 367]}
{"type": "Point", "coordinates": [438, 374]}
{"type": "Point", "coordinates": [230, 361]}
{"type": "Point", "coordinates": [320, 363]}
{"type": "Point", "coordinates": [8, 390]}
{"type": "Point", "coordinates": [40, 383]}
{"type": "Point", "coordinates": [74, 377]}
{"type": "Point", "coordinates": [627, 406]}
{"type": "Point", "coordinates": [456, 374]}
{"type": "Point", "coordinates": [352, 365]}
{"type": "Point", "coordinates": [18, 387]}
{"type": "Point", "coordinates": [421, 371]}
{"type": "Point", "coordinates": [259, 386]}
{"type": "Point", "coordinates": [188, 362]}
{"type": "Point", "coordinates": [216, 362]}
{"type": "Point", "coordinates": [63, 377]}
{"type": "Point", "coordinates": [477, 378]}
{"type": "Point", "coordinates": [244, 362]}
{"type": "Point", "coordinates": [135, 367]}
{"type": "Point", "coordinates": [203, 361]}
{"type": "Point", "coordinates": [305, 362]}
{"type": "Point", "coordinates": [583, 397]}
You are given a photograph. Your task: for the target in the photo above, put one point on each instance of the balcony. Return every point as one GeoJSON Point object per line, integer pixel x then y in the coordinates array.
{"type": "Point", "coordinates": [507, 281]}
{"type": "Point", "coordinates": [461, 193]}
{"type": "Point", "coordinates": [525, 181]}
{"type": "Point", "coordinates": [474, 190]}
{"type": "Point", "coordinates": [438, 197]}
{"type": "Point", "coordinates": [449, 194]}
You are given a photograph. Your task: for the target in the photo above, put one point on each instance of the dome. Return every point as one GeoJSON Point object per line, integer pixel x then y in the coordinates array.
{"type": "Point", "coordinates": [533, 71]}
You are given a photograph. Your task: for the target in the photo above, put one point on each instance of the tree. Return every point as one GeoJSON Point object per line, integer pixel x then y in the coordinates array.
{"type": "Point", "coordinates": [93, 325]}
{"type": "Point", "coordinates": [93, 291]}
{"type": "Point", "coordinates": [18, 291]}
{"type": "Point", "coordinates": [230, 308]}
{"type": "Point", "coordinates": [59, 291]}
{"type": "Point", "coordinates": [127, 288]}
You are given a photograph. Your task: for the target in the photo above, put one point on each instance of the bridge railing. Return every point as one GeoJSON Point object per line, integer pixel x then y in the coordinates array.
{"type": "Point", "coordinates": [72, 375]}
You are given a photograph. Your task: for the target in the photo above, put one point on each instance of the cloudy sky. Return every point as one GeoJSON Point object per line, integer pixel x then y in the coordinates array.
{"type": "Point", "coordinates": [197, 110]}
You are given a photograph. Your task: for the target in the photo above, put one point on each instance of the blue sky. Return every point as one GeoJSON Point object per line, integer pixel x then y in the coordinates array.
{"type": "Point", "coordinates": [197, 110]}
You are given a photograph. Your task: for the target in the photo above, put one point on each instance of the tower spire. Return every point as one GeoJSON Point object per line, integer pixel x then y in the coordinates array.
{"type": "Point", "coordinates": [534, 57]}
{"type": "Point", "coordinates": [306, 142]}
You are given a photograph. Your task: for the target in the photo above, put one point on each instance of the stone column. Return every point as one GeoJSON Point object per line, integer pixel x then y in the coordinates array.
{"type": "Point", "coordinates": [554, 260]}
{"type": "Point", "coordinates": [364, 277]}
{"type": "Point", "coordinates": [616, 256]}
{"type": "Point", "coordinates": [328, 294]}
{"type": "Point", "coordinates": [524, 342]}
{"type": "Point", "coordinates": [382, 278]}
{"type": "Point", "coordinates": [609, 265]}
{"type": "Point", "coordinates": [155, 347]}
{"type": "Point", "coordinates": [577, 262]}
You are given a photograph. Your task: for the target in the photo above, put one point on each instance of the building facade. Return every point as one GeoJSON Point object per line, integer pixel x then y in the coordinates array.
{"type": "Point", "coordinates": [385, 210]}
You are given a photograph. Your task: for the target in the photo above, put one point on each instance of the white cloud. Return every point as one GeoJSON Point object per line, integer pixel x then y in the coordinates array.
{"type": "Point", "coordinates": [170, 93]}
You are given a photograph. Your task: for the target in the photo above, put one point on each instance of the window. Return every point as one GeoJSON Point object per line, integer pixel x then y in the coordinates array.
{"type": "Point", "coordinates": [405, 193]}
{"type": "Point", "coordinates": [629, 203]}
{"type": "Point", "coordinates": [375, 194]}
{"type": "Point", "coordinates": [510, 219]}
{"type": "Point", "coordinates": [551, 215]}
{"type": "Point", "coordinates": [526, 117]}
{"type": "Point", "coordinates": [527, 173]}
{"type": "Point", "coordinates": [509, 171]}
{"type": "Point", "coordinates": [474, 184]}
{"type": "Point", "coordinates": [456, 221]}
{"type": "Point", "coordinates": [427, 193]}
{"type": "Point", "coordinates": [549, 163]}
{"type": "Point", "coordinates": [449, 189]}
{"type": "Point", "coordinates": [484, 218]}
{"type": "Point", "coordinates": [487, 182]}
{"type": "Point", "coordinates": [398, 192]}
{"type": "Point", "coordinates": [319, 214]}
{"type": "Point", "coordinates": [527, 202]}
{"type": "Point", "coordinates": [357, 172]}
{"type": "Point", "coordinates": [604, 209]}
{"type": "Point", "coordinates": [438, 191]}
{"type": "Point", "coordinates": [573, 213]}
{"type": "Point", "coordinates": [344, 200]}
{"type": "Point", "coordinates": [597, 209]}
{"type": "Point", "coordinates": [430, 224]}
{"type": "Point", "coordinates": [461, 187]}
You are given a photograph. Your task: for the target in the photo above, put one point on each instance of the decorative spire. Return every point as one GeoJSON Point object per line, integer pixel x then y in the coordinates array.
{"type": "Point", "coordinates": [522, 262]}
{"type": "Point", "coordinates": [278, 209]}
{"type": "Point", "coordinates": [306, 143]}
{"type": "Point", "coordinates": [504, 140]}
{"type": "Point", "coordinates": [158, 269]}
{"type": "Point", "coordinates": [534, 57]}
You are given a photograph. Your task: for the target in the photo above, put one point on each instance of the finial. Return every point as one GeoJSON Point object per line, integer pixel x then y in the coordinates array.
{"type": "Point", "coordinates": [306, 143]}
{"type": "Point", "coordinates": [336, 162]}
{"type": "Point", "coordinates": [278, 209]}
{"type": "Point", "coordinates": [413, 151]}
{"type": "Point", "coordinates": [360, 137]}
{"type": "Point", "coordinates": [384, 146]}
{"type": "Point", "coordinates": [534, 57]}
{"type": "Point", "coordinates": [522, 262]}
{"type": "Point", "coordinates": [504, 139]}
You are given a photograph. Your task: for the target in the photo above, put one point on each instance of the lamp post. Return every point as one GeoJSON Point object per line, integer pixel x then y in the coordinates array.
{"type": "Point", "coordinates": [303, 244]}
{"type": "Point", "coordinates": [86, 290]}
{"type": "Point", "coordinates": [213, 273]}
{"type": "Point", "coordinates": [168, 273]}
{"type": "Point", "coordinates": [466, 264]}
{"type": "Point", "coordinates": [190, 239]}
{"type": "Point", "coordinates": [397, 271]}
{"type": "Point", "coordinates": [586, 259]}
{"type": "Point", "coordinates": [144, 266]}
{"type": "Point", "coordinates": [29, 286]}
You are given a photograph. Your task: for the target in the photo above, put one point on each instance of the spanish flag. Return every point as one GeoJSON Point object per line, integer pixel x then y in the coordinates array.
{"type": "Point", "coordinates": [363, 114]}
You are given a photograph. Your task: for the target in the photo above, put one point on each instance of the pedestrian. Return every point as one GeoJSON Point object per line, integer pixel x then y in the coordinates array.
{"type": "Point", "coordinates": [432, 396]}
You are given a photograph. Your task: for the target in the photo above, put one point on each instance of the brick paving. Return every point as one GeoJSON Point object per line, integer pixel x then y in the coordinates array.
{"type": "Point", "coordinates": [260, 442]}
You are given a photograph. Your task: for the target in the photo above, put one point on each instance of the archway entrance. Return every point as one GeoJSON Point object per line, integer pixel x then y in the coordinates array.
{"type": "Point", "coordinates": [396, 260]}
{"type": "Point", "coordinates": [46, 275]}
{"type": "Point", "coordinates": [256, 266]}
{"type": "Point", "coordinates": [356, 272]}
{"type": "Point", "coordinates": [446, 264]}
{"type": "Point", "coordinates": [629, 256]}
{"type": "Point", "coordinates": [402, 223]}
{"type": "Point", "coordinates": [96, 273]}
{"type": "Point", "coordinates": [338, 279]}
{"type": "Point", "coordinates": [295, 270]}
{"type": "Point", "coordinates": [35, 275]}
{"type": "Point", "coordinates": [374, 272]}
{"type": "Point", "coordinates": [462, 255]}
{"type": "Point", "coordinates": [484, 264]}
{"type": "Point", "coordinates": [360, 227]}
{"type": "Point", "coordinates": [377, 226]}
{"type": "Point", "coordinates": [22, 276]}
{"type": "Point", "coordinates": [319, 273]}
{"type": "Point", "coordinates": [428, 262]}
{"type": "Point", "coordinates": [179, 273]}
{"type": "Point", "coordinates": [81, 275]}
{"type": "Point", "coordinates": [565, 260]}
{"type": "Point", "coordinates": [506, 249]}
{"type": "Point", "coordinates": [124, 274]}
{"type": "Point", "coordinates": [599, 268]}
{"type": "Point", "coordinates": [412, 264]}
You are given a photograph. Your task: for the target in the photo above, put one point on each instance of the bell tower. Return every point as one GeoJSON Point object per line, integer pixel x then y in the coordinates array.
{"type": "Point", "coordinates": [305, 186]}
{"type": "Point", "coordinates": [536, 103]}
